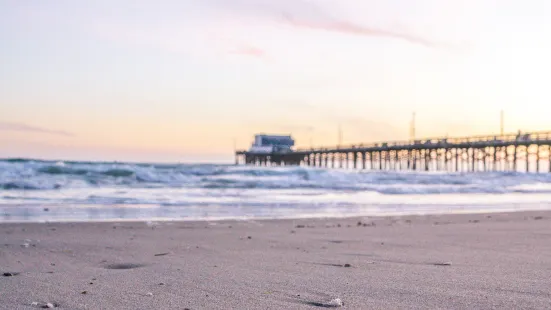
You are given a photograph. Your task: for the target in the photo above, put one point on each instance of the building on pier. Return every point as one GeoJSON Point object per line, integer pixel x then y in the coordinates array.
{"type": "Point", "coordinates": [273, 150]}
{"type": "Point", "coordinates": [268, 144]}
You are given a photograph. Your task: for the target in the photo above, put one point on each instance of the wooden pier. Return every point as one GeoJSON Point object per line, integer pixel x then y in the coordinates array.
{"type": "Point", "coordinates": [526, 152]}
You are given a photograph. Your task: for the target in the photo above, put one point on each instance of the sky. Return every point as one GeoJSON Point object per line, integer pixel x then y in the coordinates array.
{"type": "Point", "coordinates": [181, 80]}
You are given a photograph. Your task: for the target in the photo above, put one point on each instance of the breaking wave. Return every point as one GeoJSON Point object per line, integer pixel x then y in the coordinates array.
{"type": "Point", "coordinates": [21, 174]}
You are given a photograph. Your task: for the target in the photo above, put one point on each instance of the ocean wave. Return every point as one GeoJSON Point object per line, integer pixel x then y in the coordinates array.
{"type": "Point", "coordinates": [21, 185]}
{"type": "Point", "coordinates": [61, 170]}
{"type": "Point", "coordinates": [25, 174]}
{"type": "Point", "coordinates": [15, 160]}
{"type": "Point", "coordinates": [17, 185]}
{"type": "Point", "coordinates": [118, 173]}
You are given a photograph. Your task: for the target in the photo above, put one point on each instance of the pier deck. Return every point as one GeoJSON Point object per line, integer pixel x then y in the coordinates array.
{"type": "Point", "coordinates": [529, 152]}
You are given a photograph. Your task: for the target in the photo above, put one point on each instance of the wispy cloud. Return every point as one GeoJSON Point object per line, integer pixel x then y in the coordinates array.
{"type": "Point", "coordinates": [315, 16]}
{"type": "Point", "coordinates": [351, 28]}
{"type": "Point", "coordinates": [249, 50]}
{"type": "Point", "coordinates": [21, 127]}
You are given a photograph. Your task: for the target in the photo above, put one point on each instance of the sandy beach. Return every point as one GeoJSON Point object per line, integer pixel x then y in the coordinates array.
{"type": "Point", "coordinates": [478, 261]}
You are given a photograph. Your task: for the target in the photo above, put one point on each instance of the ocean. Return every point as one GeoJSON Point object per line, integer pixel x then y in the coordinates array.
{"type": "Point", "coordinates": [40, 191]}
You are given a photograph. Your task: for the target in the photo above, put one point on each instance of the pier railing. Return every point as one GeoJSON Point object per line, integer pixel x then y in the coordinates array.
{"type": "Point", "coordinates": [518, 137]}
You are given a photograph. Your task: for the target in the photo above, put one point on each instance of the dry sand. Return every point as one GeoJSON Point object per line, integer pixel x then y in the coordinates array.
{"type": "Point", "coordinates": [497, 261]}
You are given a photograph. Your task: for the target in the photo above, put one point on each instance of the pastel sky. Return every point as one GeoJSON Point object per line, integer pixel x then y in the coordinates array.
{"type": "Point", "coordinates": [178, 80]}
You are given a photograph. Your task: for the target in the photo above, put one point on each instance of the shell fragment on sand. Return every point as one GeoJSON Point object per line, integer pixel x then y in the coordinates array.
{"type": "Point", "coordinates": [337, 302]}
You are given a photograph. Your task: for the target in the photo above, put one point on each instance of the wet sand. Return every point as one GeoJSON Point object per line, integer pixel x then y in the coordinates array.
{"type": "Point", "coordinates": [443, 261]}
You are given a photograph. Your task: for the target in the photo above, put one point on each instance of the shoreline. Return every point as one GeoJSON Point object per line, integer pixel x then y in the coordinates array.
{"type": "Point", "coordinates": [287, 218]}
{"type": "Point", "coordinates": [425, 216]}
{"type": "Point", "coordinates": [490, 260]}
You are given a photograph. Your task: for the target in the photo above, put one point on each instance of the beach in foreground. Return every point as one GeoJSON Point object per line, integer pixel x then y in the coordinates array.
{"type": "Point", "coordinates": [438, 261]}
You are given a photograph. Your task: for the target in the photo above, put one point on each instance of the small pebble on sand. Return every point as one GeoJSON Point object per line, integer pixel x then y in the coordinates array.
{"type": "Point", "coordinates": [337, 302]}
{"type": "Point", "coordinates": [149, 294]}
